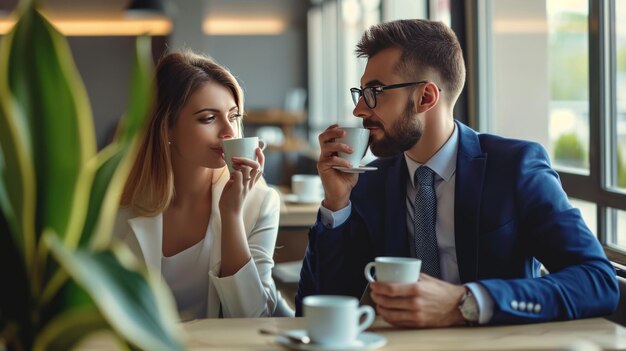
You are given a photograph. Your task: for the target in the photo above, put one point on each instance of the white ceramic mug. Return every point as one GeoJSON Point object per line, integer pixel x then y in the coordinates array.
{"type": "Point", "coordinates": [394, 270]}
{"type": "Point", "coordinates": [307, 187]}
{"type": "Point", "coordinates": [357, 139]}
{"type": "Point", "coordinates": [333, 320]}
{"type": "Point", "coordinates": [241, 147]}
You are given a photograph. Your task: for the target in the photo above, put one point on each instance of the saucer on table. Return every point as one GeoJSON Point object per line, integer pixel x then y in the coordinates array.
{"type": "Point", "coordinates": [359, 169]}
{"type": "Point", "coordinates": [365, 341]}
{"type": "Point", "coordinates": [294, 198]}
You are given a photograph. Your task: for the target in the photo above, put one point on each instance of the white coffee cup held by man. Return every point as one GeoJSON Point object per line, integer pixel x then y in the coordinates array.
{"type": "Point", "coordinates": [394, 270]}
{"type": "Point", "coordinates": [333, 320]}
{"type": "Point", "coordinates": [357, 139]}
{"type": "Point", "coordinates": [240, 147]}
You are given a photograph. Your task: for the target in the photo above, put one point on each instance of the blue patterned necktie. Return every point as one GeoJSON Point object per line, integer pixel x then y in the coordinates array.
{"type": "Point", "coordinates": [424, 219]}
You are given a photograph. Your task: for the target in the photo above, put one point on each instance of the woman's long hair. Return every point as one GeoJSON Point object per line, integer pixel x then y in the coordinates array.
{"type": "Point", "coordinates": [150, 185]}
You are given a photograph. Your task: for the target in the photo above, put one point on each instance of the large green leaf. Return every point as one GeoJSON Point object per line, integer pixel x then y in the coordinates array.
{"type": "Point", "coordinates": [17, 178]}
{"type": "Point", "coordinates": [114, 165]}
{"type": "Point", "coordinates": [114, 162]}
{"type": "Point", "coordinates": [66, 330]}
{"type": "Point", "coordinates": [46, 85]}
{"type": "Point", "coordinates": [141, 92]}
{"type": "Point", "coordinates": [15, 300]}
{"type": "Point", "coordinates": [135, 305]}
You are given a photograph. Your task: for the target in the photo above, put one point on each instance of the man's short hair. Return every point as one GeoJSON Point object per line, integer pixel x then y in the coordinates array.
{"type": "Point", "coordinates": [425, 45]}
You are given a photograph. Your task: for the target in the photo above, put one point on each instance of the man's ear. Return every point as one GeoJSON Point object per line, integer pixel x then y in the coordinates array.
{"type": "Point", "coordinates": [426, 98]}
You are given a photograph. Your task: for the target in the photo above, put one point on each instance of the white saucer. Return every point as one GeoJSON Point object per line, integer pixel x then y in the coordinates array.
{"type": "Point", "coordinates": [293, 198]}
{"type": "Point", "coordinates": [365, 341]}
{"type": "Point", "coordinates": [359, 169]}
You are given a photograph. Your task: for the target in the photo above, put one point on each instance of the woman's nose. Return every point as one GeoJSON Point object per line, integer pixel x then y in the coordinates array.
{"type": "Point", "coordinates": [227, 131]}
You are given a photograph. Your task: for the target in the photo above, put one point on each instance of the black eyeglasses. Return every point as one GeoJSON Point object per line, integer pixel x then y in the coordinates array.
{"type": "Point", "coordinates": [369, 93]}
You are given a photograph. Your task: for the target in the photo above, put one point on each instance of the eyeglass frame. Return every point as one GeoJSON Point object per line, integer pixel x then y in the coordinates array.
{"type": "Point", "coordinates": [358, 93]}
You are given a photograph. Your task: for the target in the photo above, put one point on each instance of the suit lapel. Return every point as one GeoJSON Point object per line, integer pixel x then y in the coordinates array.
{"type": "Point", "coordinates": [149, 234]}
{"type": "Point", "coordinates": [470, 172]}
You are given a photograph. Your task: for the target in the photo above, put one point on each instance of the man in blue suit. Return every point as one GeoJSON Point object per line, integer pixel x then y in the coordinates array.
{"type": "Point", "coordinates": [482, 212]}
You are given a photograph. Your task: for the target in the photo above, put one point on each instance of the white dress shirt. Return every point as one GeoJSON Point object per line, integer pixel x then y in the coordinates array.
{"type": "Point", "coordinates": [443, 163]}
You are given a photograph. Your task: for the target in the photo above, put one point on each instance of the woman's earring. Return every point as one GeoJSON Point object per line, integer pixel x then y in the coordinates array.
{"type": "Point", "coordinates": [169, 142]}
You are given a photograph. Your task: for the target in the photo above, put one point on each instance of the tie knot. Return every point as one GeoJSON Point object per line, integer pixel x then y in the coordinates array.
{"type": "Point", "coordinates": [424, 176]}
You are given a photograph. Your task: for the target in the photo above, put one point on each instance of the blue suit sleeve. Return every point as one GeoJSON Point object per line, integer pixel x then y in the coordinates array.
{"type": "Point", "coordinates": [334, 260]}
{"type": "Point", "coordinates": [581, 282]}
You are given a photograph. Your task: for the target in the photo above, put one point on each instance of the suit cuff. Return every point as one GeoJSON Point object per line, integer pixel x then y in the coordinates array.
{"type": "Point", "coordinates": [241, 294]}
{"type": "Point", "coordinates": [484, 301]}
{"type": "Point", "coordinates": [332, 220]}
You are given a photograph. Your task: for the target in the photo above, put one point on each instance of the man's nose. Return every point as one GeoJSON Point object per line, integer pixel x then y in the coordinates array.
{"type": "Point", "coordinates": [361, 110]}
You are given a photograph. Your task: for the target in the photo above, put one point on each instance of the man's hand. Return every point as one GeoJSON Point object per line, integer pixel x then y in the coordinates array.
{"type": "Point", "coordinates": [428, 303]}
{"type": "Point", "coordinates": [337, 185]}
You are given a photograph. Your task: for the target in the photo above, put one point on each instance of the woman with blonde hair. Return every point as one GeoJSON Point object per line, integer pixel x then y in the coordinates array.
{"type": "Point", "coordinates": [209, 232]}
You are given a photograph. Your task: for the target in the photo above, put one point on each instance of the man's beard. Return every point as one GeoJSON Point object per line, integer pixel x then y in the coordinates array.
{"type": "Point", "coordinates": [401, 136]}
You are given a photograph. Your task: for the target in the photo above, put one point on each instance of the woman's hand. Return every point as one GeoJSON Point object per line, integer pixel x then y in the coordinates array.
{"type": "Point", "coordinates": [247, 173]}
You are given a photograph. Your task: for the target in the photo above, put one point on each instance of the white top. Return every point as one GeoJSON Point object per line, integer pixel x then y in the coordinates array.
{"type": "Point", "coordinates": [186, 275]}
{"type": "Point", "coordinates": [251, 291]}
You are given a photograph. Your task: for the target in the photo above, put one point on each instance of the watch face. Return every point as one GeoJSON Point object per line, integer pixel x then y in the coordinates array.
{"type": "Point", "coordinates": [469, 308]}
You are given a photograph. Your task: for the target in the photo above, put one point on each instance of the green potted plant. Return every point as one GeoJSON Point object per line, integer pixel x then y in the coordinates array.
{"type": "Point", "coordinates": [61, 277]}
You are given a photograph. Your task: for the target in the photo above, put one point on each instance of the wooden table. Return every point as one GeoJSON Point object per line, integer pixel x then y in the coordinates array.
{"type": "Point", "coordinates": [242, 334]}
{"type": "Point", "coordinates": [298, 215]}
{"type": "Point", "coordinates": [596, 333]}
{"type": "Point", "coordinates": [294, 224]}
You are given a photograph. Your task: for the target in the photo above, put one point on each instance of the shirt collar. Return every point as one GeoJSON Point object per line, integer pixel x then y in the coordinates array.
{"type": "Point", "coordinates": [443, 162]}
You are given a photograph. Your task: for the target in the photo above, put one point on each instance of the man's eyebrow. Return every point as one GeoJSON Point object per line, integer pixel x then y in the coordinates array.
{"type": "Point", "coordinates": [373, 83]}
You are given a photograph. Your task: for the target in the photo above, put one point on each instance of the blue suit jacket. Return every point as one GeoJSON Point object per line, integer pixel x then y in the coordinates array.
{"type": "Point", "coordinates": [510, 213]}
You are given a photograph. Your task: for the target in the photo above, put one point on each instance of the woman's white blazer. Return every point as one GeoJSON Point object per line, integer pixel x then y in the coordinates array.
{"type": "Point", "coordinates": [250, 292]}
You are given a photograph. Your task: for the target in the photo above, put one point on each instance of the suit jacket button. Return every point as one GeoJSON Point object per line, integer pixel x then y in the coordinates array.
{"type": "Point", "coordinates": [530, 306]}
{"type": "Point", "coordinates": [522, 306]}
{"type": "Point", "coordinates": [514, 305]}
{"type": "Point", "coordinates": [537, 308]}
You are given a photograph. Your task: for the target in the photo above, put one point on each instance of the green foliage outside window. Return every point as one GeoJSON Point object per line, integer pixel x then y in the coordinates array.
{"type": "Point", "coordinates": [568, 58]}
{"type": "Point", "coordinates": [621, 169]}
{"type": "Point", "coordinates": [621, 59]}
{"type": "Point", "coordinates": [569, 151]}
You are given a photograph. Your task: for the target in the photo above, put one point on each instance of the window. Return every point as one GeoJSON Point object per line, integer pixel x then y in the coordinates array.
{"type": "Point", "coordinates": [540, 77]}
{"type": "Point", "coordinates": [554, 71]}
{"type": "Point", "coordinates": [589, 212]}
{"type": "Point", "coordinates": [334, 28]}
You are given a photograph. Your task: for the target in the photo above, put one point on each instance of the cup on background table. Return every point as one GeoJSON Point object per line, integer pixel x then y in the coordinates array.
{"type": "Point", "coordinates": [241, 147]}
{"type": "Point", "coordinates": [394, 270]}
{"type": "Point", "coordinates": [334, 321]}
{"type": "Point", "coordinates": [357, 139]}
{"type": "Point", "coordinates": [307, 187]}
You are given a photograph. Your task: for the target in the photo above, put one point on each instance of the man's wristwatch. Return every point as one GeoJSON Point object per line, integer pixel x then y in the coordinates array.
{"type": "Point", "coordinates": [469, 308]}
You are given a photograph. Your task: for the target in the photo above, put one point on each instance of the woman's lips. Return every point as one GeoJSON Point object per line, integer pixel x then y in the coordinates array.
{"type": "Point", "coordinates": [218, 150]}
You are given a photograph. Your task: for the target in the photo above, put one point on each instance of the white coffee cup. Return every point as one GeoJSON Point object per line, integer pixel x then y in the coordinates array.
{"type": "Point", "coordinates": [394, 270]}
{"type": "Point", "coordinates": [333, 320]}
{"type": "Point", "coordinates": [307, 187]}
{"type": "Point", "coordinates": [241, 147]}
{"type": "Point", "coordinates": [357, 139]}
